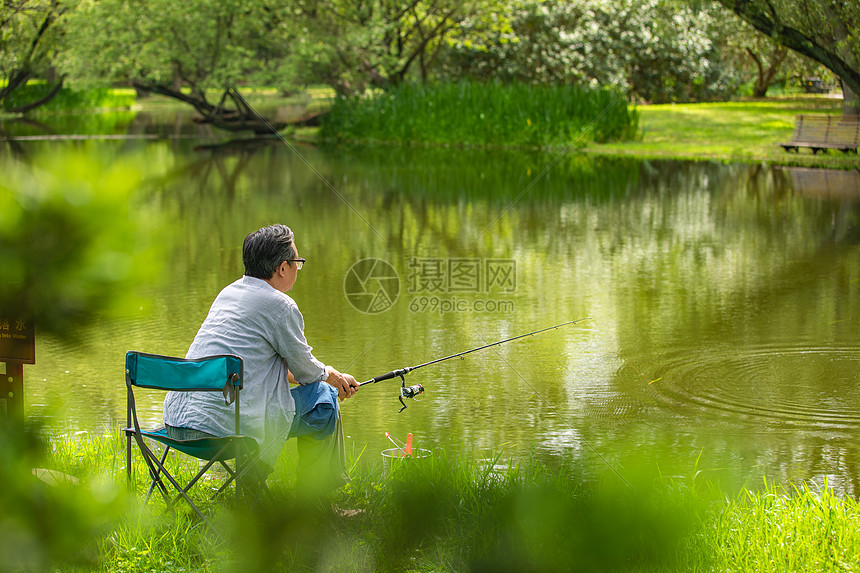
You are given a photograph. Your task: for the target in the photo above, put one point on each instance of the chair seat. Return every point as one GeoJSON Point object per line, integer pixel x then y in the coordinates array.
{"type": "Point", "coordinates": [204, 448]}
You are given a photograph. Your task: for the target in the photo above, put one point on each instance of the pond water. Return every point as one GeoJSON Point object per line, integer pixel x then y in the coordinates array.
{"type": "Point", "coordinates": [723, 299]}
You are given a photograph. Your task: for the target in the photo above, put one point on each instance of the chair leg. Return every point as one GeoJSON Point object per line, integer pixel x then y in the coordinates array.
{"type": "Point", "coordinates": [227, 482]}
{"type": "Point", "coordinates": [155, 478]}
{"type": "Point", "coordinates": [155, 467]}
{"type": "Point", "coordinates": [202, 472]}
{"type": "Point", "coordinates": [183, 494]}
{"type": "Point", "coordinates": [194, 480]}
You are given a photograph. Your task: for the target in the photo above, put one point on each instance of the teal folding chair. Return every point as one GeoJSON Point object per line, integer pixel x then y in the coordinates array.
{"type": "Point", "coordinates": [223, 374]}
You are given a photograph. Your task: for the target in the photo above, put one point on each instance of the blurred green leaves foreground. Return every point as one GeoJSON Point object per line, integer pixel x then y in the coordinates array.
{"type": "Point", "coordinates": [73, 239]}
{"type": "Point", "coordinates": [443, 513]}
{"type": "Point", "coordinates": [53, 518]}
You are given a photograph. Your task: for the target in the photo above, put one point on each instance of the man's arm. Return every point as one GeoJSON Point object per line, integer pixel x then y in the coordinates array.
{"type": "Point", "coordinates": [345, 384]}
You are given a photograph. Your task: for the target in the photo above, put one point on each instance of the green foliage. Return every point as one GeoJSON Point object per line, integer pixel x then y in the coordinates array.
{"type": "Point", "coordinates": [801, 528]}
{"type": "Point", "coordinates": [31, 33]}
{"type": "Point", "coordinates": [54, 520]}
{"type": "Point", "coordinates": [475, 114]}
{"type": "Point", "coordinates": [442, 513]}
{"type": "Point", "coordinates": [660, 51]}
{"type": "Point", "coordinates": [378, 43]}
{"type": "Point", "coordinates": [199, 44]}
{"type": "Point", "coordinates": [72, 240]}
{"type": "Point", "coordinates": [454, 514]}
{"type": "Point", "coordinates": [68, 99]}
{"type": "Point", "coordinates": [763, 61]}
{"type": "Point", "coordinates": [824, 31]}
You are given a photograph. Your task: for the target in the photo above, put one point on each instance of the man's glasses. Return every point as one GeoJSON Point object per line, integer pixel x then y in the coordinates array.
{"type": "Point", "coordinates": [299, 263]}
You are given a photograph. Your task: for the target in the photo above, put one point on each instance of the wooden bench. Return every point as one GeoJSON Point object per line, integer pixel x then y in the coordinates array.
{"type": "Point", "coordinates": [820, 132]}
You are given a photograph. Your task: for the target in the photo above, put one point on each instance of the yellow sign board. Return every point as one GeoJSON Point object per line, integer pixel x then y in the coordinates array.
{"type": "Point", "coordinates": [17, 340]}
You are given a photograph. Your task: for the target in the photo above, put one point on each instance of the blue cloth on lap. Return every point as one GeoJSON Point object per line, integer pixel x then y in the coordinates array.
{"type": "Point", "coordinates": [316, 410]}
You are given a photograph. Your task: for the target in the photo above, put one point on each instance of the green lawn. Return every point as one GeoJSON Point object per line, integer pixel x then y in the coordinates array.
{"type": "Point", "coordinates": [732, 131]}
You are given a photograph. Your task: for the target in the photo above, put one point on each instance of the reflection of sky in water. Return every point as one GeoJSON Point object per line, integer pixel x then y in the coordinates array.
{"type": "Point", "coordinates": [724, 305]}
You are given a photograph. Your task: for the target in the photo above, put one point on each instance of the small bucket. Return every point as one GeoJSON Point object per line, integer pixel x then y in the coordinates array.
{"type": "Point", "coordinates": [396, 457]}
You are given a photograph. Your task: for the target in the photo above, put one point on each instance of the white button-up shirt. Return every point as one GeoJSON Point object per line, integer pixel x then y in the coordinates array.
{"type": "Point", "coordinates": [252, 319]}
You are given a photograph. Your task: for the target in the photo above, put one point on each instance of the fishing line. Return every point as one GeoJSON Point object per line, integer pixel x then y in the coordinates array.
{"type": "Point", "coordinates": [402, 372]}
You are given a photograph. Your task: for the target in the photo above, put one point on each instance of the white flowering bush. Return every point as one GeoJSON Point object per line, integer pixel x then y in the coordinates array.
{"type": "Point", "coordinates": [658, 50]}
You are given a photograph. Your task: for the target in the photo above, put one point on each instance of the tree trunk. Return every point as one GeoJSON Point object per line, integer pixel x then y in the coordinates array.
{"type": "Point", "coordinates": [761, 85]}
{"type": "Point", "coordinates": [850, 102]}
{"type": "Point", "coordinates": [237, 117]}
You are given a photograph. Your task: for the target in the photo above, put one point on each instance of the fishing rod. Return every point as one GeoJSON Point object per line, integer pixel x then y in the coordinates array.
{"type": "Point", "coordinates": [412, 391]}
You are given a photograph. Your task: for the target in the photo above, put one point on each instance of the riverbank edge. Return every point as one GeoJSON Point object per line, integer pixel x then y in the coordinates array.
{"type": "Point", "coordinates": [746, 131]}
{"type": "Point", "coordinates": [750, 129]}
{"type": "Point", "coordinates": [818, 161]}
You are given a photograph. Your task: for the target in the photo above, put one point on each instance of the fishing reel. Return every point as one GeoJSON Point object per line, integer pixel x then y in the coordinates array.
{"type": "Point", "coordinates": [408, 392]}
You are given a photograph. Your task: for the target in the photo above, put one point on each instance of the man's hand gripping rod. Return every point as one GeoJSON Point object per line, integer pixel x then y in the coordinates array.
{"type": "Point", "coordinates": [412, 391]}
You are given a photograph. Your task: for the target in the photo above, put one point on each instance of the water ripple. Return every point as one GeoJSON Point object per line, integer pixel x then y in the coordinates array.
{"type": "Point", "coordinates": [773, 388]}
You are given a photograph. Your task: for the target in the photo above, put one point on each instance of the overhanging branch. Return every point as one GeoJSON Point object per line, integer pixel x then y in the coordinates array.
{"type": "Point", "coordinates": [767, 22]}
{"type": "Point", "coordinates": [239, 117]}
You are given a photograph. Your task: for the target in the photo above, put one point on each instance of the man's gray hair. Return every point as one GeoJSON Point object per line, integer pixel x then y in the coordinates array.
{"type": "Point", "coordinates": [265, 249]}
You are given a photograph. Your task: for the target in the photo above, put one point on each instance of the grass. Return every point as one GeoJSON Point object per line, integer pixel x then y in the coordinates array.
{"type": "Point", "coordinates": [69, 99]}
{"type": "Point", "coordinates": [778, 529]}
{"type": "Point", "coordinates": [446, 513]}
{"type": "Point", "coordinates": [746, 131]}
{"type": "Point", "coordinates": [491, 114]}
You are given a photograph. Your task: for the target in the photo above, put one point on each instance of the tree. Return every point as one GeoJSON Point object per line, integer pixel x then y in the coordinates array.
{"type": "Point", "coordinates": [197, 51]}
{"type": "Point", "coordinates": [660, 51]}
{"type": "Point", "coordinates": [768, 59]}
{"type": "Point", "coordinates": [378, 43]}
{"type": "Point", "coordinates": [826, 31]}
{"type": "Point", "coordinates": [29, 33]}
{"type": "Point", "coordinates": [763, 61]}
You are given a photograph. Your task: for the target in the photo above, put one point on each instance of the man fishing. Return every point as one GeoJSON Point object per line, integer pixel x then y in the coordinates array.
{"type": "Point", "coordinates": [255, 319]}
